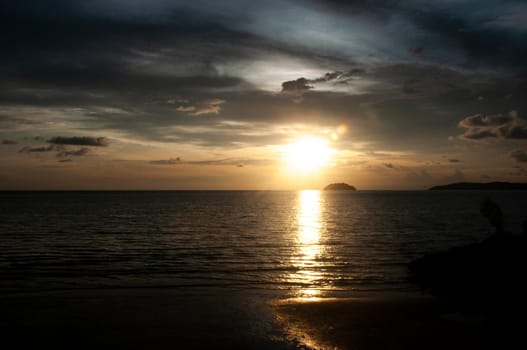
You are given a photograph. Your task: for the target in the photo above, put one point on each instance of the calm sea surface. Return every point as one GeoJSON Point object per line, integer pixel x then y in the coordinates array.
{"type": "Point", "coordinates": [278, 244]}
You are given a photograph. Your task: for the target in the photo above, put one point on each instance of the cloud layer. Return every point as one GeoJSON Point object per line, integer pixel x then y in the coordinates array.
{"type": "Point", "coordinates": [80, 141]}
{"type": "Point", "coordinates": [499, 126]}
{"type": "Point", "coordinates": [228, 82]}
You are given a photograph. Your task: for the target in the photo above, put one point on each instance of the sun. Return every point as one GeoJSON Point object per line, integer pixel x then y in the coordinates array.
{"type": "Point", "coordinates": [307, 154]}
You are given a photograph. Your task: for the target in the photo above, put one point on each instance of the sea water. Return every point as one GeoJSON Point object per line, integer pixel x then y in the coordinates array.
{"type": "Point", "coordinates": [218, 256]}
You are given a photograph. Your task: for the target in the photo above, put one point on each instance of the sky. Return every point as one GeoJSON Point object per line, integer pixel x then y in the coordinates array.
{"type": "Point", "coordinates": [204, 94]}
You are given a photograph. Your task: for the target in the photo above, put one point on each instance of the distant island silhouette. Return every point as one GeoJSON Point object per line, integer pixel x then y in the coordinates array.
{"type": "Point", "coordinates": [341, 186]}
{"type": "Point", "coordinates": [481, 186]}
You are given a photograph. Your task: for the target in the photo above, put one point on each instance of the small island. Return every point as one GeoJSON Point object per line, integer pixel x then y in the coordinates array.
{"type": "Point", "coordinates": [339, 187]}
{"type": "Point", "coordinates": [493, 186]}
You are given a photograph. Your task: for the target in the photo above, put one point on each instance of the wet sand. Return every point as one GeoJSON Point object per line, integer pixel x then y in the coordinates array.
{"type": "Point", "coordinates": [153, 319]}
{"type": "Point", "coordinates": [399, 323]}
{"type": "Point", "coordinates": [137, 319]}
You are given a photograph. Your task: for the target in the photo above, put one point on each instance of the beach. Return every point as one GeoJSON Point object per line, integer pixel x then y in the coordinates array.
{"type": "Point", "coordinates": [138, 319]}
{"type": "Point", "coordinates": [399, 322]}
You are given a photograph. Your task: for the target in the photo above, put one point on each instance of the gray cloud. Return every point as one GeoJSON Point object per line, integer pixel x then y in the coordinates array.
{"type": "Point", "coordinates": [40, 149]}
{"type": "Point", "coordinates": [187, 56]}
{"type": "Point", "coordinates": [417, 50]}
{"type": "Point", "coordinates": [515, 131]}
{"type": "Point", "coordinates": [80, 141]}
{"type": "Point", "coordinates": [481, 127]}
{"type": "Point", "coordinates": [296, 86]}
{"type": "Point", "coordinates": [238, 162]}
{"type": "Point", "coordinates": [9, 142]}
{"type": "Point", "coordinates": [61, 145]}
{"type": "Point", "coordinates": [479, 134]}
{"type": "Point", "coordinates": [409, 87]}
{"type": "Point", "coordinates": [78, 152]}
{"type": "Point", "coordinates": [519, 156]}
{"type": "Point", "coordinates": [186, 108]}
{"type": "Point", "coordinates": [331, 76]}
{"type": "Point", "coordinates": [170, 161]}
{"type": "Point", "coordinates": [401, 95]}
{"type": "Point", "coordinates": [376, 115]}
{"type": "Point", "coordinates": [302, 85]}
{"type": "Point", "coordinates": [209, 106]}
{"type": "Point", "coordinates": [13, 123]}
{"type": "Point", "coordinates": [479, 120]}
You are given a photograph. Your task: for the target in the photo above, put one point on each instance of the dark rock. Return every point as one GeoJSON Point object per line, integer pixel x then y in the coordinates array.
{"type": "Point", "coordinates": [491, 268]}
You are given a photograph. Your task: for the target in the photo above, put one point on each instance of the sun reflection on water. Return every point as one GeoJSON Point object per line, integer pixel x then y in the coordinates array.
{"type": "Point", "coordinates": [308, 240]}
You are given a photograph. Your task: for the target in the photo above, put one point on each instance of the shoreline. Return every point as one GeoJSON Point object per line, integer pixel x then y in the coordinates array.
{"type": "Point", "coordinates": [139, 318]}
{"type": "Point", "coordinates": [396, 322]}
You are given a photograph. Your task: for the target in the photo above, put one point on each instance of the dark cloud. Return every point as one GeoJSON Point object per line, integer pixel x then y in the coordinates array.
{"type": "Point", "coordinates": [515, 131]}
{"type": "Point", "coordinates": [409, 87]}
{"type": "Point", "coordinates": [8, 122]}
{"type": "Point", "coordinates": [452, 160]}
{"type": "Point", "coordinates": [9, 142]}
{"type": "Point", "coordinates": [302, 85]}
{"type": "Point", "coordinates": [141, 69]}
{"type": "Point", "coordinates": [294, 86]}
{"type": "Point", "coordinates": [188, 109]}
{"type": "Point", "coordinates": [519, 155]}
{"type": "Point", "coordinates": [211, 106]}
{"type": "Point", "coordinates": [417, 50]}
{"type": "Point", "coordinates": [380, 9]}
{"type": "Point", "coordinates": [480, 127]}
{"type": "Point", "coordinates": [80, 141]}
{"type": "Point", "coordinates": [65, 160]}
{"type": "Point", "coordinates": [459, 31]}
{"type": "Point", "coordinates": [40, 149]}
{"type": "Point", "coordinates": [479, 134]}
{"type": "Point", "coordinates": [479, 120]}
{"type": "Point", "coordinates": [61, 145]}
{"type": "Point", "coordinates": [330, 76]}
{"type": "Point", "coordinates": [123, 61]}
{"type": "Point", "coordinates": [226, 161]}
{"type": "Point", "coordinates": [237, 162]}
{"type": "Point", "coordinates": [389, 165]}
{"type": "Point", "coordinates": [77, 153]}
{"type": "Point", "coordinates": [114, 62]}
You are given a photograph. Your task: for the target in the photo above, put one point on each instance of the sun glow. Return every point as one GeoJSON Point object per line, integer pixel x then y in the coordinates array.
{"type": "Point", "coordinates": [307, 154]}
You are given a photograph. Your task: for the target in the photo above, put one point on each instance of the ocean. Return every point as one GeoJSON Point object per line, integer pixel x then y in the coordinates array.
{"type": "Point", "coordinates": [307, 243]}
{"type": "Point", "coordinates": [229, 251]}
